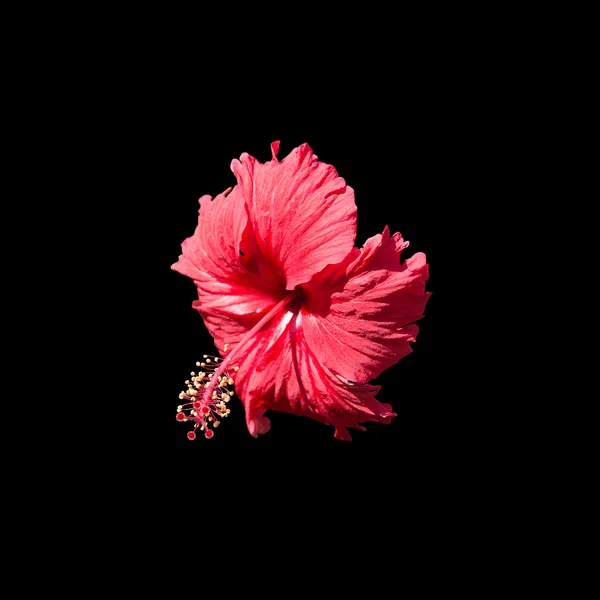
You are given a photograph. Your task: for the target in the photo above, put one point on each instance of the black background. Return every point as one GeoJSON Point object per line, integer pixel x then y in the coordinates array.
{"type": "Point", "coordinates": [403, 113]}
{"type": "Point", "coordinates": [403, 142]}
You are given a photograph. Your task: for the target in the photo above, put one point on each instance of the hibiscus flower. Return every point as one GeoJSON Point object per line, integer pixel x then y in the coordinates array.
{"type": "Point", "coordinates": [302, 319]}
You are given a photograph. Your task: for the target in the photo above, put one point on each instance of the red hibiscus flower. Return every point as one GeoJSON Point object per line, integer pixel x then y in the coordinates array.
{"type": "Point", "coordinates": [302, 319]}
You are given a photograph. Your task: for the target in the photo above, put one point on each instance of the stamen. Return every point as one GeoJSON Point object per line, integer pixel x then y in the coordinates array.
{"type": "Point", "coordinates": [205, 409]}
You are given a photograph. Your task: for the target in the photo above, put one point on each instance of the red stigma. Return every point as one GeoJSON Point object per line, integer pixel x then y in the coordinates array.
{"type": "Point", "coordinates": [180, 416]}
{"type": "Point", "coordinates": [192, 435]}
{"type": "Point", "coordinates": [197, 404]}
{"type": "Point", "coordinates": [209, 433]}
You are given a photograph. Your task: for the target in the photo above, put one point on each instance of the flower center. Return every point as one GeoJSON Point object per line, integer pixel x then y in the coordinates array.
{"type": "Point", "coordinates": [208, 392]}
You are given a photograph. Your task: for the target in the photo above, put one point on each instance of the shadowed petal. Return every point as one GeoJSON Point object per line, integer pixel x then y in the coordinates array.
{"type": "Point", "coordinates": [234, 286]}
{"type": "Point", "coordinates": [368, 324]}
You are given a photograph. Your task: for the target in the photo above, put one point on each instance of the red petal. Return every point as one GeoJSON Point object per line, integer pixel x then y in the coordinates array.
{"type": "Point", "coordinates": [234, 290]}
{"type": "Point", "coordinates": [280, 372]}
{"type": "Point", "coordinates": [368, 325]}
{"type": "Point", "coordinates": [302, 214]}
